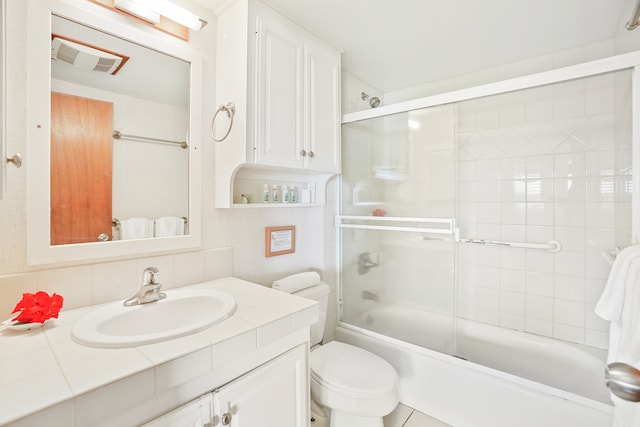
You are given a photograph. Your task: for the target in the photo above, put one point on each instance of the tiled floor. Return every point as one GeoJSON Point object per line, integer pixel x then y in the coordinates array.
{"type": "Point", "coordinates": [404, 416]}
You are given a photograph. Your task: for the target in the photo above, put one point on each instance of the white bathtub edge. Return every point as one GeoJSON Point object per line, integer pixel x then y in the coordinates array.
{"type": "Point", "coordinates": [461, 385]}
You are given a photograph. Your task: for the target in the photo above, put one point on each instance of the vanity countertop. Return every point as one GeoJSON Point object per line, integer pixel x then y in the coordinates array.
{"type": "Point", "coordinates": [42, 371]}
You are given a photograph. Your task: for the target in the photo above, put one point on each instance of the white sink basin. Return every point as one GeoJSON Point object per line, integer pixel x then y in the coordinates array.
{"type": "Point", "coordinates": [182, 312]}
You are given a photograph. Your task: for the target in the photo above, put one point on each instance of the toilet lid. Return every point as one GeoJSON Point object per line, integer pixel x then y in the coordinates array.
{"type": "Point", "coordinates": [353, 369]}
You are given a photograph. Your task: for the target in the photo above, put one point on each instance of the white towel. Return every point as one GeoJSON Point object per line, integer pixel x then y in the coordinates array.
{"type": "Point", "coordinates": [136, 228]}
{"type": "Point", "coordinates": [620, 304]}
{"type": "Point", "coordinates": [168, 226]}
{"type": "Point", "coordinates": [609, 306]}
{"type": "Point", "coordinates": [297, 282]}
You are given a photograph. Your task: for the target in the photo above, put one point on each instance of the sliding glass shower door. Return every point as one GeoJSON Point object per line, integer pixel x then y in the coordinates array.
{"type": "Point", "coordinates": [397, 227]}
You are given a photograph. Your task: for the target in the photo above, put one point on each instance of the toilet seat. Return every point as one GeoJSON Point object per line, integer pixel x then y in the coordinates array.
{"type": "Point", "coordinates": [349, 378]}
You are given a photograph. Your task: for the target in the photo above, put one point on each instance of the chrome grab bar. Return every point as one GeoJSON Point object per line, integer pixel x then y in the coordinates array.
{"type": "Point", "coordinates": [623, 380]}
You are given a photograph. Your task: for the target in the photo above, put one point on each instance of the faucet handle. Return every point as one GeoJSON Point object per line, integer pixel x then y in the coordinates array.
{"type": "Point", "coordinates": [150, 276]}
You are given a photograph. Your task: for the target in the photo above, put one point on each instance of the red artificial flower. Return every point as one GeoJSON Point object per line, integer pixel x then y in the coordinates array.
{"type": "Point", "coordinates": [37, 307]}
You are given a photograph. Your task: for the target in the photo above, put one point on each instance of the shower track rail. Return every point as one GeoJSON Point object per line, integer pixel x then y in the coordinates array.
{"type": "Point", "coordinates": [447, 225]}
{"type": "Point", "coordinates": [439, 226]}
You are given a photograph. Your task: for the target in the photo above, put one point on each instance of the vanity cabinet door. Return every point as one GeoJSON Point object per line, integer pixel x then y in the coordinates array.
{"type": "Point", "coordinates": [198, 413]}
{"type": "Point", "coordinates": [275, 394]}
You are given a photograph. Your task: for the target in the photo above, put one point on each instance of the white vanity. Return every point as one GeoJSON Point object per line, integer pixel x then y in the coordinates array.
{"type": "Point", "coordinates": [251, 369]}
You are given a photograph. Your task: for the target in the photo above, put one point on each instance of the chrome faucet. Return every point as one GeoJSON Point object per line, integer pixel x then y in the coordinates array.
{"type": "Point", "coordinates": [149, 290]}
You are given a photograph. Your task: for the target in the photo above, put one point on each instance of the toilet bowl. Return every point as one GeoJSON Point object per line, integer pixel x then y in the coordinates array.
{"type": "Point", "coordinates": [355, 387]}
{"type": "Point", "coordinates": [358, 387]}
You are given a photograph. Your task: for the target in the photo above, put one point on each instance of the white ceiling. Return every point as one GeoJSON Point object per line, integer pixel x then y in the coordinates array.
{"type": "Point", "coordinates": [393, 44]}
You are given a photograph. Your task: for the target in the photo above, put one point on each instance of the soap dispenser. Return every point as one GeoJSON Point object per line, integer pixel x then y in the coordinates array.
{"type": "Point", "coordinates": [293, 196]}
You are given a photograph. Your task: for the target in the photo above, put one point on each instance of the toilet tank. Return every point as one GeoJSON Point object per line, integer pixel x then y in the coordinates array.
{"type": "Point", "coordinates": [319, 293]}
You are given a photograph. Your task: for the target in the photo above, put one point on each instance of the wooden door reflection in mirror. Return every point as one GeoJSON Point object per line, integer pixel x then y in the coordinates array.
{"type": "Point", "coordinates": [81, 165]}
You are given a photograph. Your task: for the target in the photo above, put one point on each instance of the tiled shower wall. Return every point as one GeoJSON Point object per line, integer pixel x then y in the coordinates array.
{"type": "Point", "coordinates": [552, 162]}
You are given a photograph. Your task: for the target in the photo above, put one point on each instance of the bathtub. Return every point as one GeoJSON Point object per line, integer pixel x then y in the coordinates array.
{"type": "Point", "coordinates": [500, 377]}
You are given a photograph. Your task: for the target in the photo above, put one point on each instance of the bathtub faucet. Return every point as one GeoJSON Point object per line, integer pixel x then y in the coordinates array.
{"type": "Point", "coordinates": [149, 290]}
{"type": "Point", "coordinates": [365, 264]}
{"type": "Point", "coordinates": [373, 296]}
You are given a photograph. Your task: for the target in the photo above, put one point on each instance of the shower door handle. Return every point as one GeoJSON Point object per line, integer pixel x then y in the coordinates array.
{"type": "Point", "coordinates": [623, 380]}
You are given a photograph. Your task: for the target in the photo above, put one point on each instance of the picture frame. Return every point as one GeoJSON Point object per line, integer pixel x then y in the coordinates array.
{"type": "Point", "coordinates": [280, 240]}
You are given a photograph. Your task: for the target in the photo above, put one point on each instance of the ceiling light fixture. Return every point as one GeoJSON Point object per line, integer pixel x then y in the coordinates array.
{"type": "Point", "coordinates": [137, 10]}
{"type": "Point", "coordinates": [164, 8]}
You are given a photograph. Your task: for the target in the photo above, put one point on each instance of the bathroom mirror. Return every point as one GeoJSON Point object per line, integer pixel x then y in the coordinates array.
{"type": "Point", "coordinates": [118, 147]}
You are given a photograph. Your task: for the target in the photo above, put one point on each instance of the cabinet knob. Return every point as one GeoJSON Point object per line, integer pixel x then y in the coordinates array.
{"type": "Point", "coordinates": [303, 153]}
{"type": "Point", "coordinates": [103, 237]}
{"type": "Point", "coordinates": [311, 154]}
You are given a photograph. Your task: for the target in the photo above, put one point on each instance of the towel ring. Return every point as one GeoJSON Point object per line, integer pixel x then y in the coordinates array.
{"type": "Point", "coordinates": [230, 110]}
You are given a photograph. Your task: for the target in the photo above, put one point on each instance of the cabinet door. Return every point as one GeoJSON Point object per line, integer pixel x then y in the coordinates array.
{"type": "Point", "coordinates": [274, 395]}
{"type": "Point", "coordinates": [323, 101]}
{"type": "Point", "coordinates": [198, 413]}
{"type": "Point", "coordinates": [279, 82]}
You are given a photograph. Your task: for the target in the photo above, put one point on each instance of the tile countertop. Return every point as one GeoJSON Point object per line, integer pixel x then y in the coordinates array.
{"type": "Point", "coordinates": [43, 368]}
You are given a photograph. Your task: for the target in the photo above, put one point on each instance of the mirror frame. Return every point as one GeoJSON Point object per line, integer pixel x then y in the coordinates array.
{"type": "Point", "coordinates": [3, 95]}
{"type": "Point", "coordinates": [39, 248]}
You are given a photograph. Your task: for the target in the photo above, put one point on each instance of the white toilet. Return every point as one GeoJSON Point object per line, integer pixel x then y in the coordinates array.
{"type": "Point", "coordinates": [357, 386]}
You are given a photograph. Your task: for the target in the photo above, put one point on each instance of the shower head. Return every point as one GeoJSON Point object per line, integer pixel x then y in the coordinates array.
{"type": "Point", "coordinates": [373, 102]}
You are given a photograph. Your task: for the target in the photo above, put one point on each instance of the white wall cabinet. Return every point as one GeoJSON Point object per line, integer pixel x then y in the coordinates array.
{"type": "Point", "coordinates": [297, 87]}
{"type": "Point", "coordinates": [272, 395]}
{"type": "Point", "coordinates": [285, 84]}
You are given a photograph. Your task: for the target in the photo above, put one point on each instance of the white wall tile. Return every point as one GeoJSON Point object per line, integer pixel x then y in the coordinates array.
{"type": "Point", "coordinates": [570, 288]}
{"type": "Point", "coordinates": [540, 214]}
{"type": "Point", "coordinates": [189, 268]}
{"type": "Point", "coordinates": [512, 302]}
{"type": "Point", "coordinates": [572, 238]}
{"type": "Point", "coordinates": [539, 307]}
{"type": "Point", "coordinates": [115, 280]}
{"type": "Point", "coordinates": [512, 321]}
{"type": "Point", "coordinates": [513, 213]}
{"type": "Point", "coordinates": [570, 263]}
{"type": "Point", "coordinates": [73, 283]}
{"type": "Point", "coordinates": [540, 284]}
{"type": "Point", "coordinates": [12, 287]}
{"type": "Point", "coordinates": [570, 214]}
{"type": "Point", "coordinates": [601, 214]}
{"type": "Point", "coordinates": [540, 262]}
{"type": "Point", "coordinates": [513, 280]}
{"type": "Point", "coordinates": [568, 312]}
{"type": "Point", "coordinates": [540, 327]}
{"type": "Point", "coordinates": [569, 165]}
{"type": "Point", "coordinates": [569, 333]}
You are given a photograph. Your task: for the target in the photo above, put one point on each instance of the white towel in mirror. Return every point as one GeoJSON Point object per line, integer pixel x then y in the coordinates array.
{"type": "Point", "coordinates": [136, 228]}
{"type": "Point", "coordinates": [168, 226]}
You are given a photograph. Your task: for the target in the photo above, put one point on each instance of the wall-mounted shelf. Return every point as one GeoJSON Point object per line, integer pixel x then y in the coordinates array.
{"type": "Point", "coordinates": [250, 180]}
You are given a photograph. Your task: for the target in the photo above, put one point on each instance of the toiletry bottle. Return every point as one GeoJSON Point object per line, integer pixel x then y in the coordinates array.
{"type": "Point", "coordinates": [293, 197]}
{"type": "Point", "coordinates": [285, 194]}
{"type": "Point", "coordinates": [265, 194]}
{"type": "Point", "coordinates": [274, 194]}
